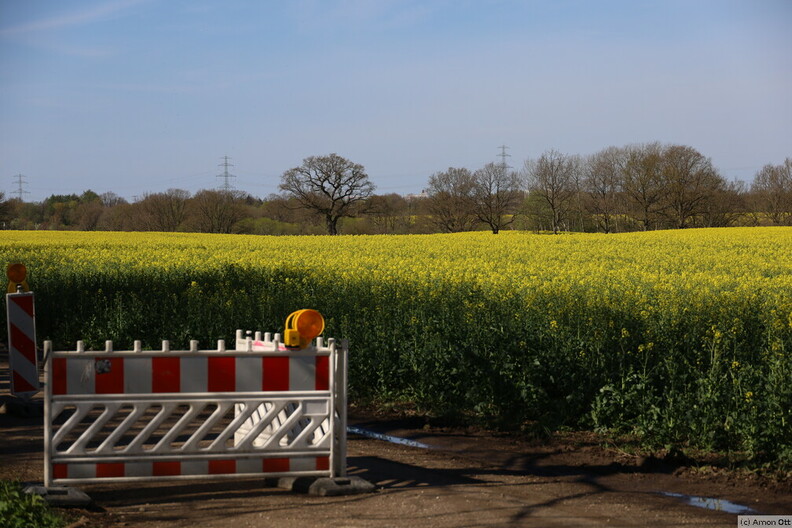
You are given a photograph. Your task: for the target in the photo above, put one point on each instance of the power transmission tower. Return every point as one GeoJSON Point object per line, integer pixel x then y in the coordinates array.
{"type": "Point", "coordinates": [226, 186]}
{"type": "Point", "coordinates": [503, 157]}
{"type": "Point", "coordinates": [20, 191]}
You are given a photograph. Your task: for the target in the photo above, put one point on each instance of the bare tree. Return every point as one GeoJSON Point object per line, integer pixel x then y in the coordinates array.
{"type": "Point", "coordinates": [87, 215]}
{"type": "Point", "coordinates": [111, 199]}
{"type": "Point", "coordinates": [121, 217]}
{"type": "Point", "coordinates": [772, 191]}
{"type": "Point", "coordinates": [691, 183]}
{"type": "Point", "coordinates": [642, 183]}
{"type": "Point", "coordinates": [164, 211]}
{"type": "Point", "coordinates": [389, 213]}
{"type": "Point", "coordinates": [448, 202]}
{"type": "Point", "coordinates": [495, 196]}
{"type": "Point", "coordinates": [331, 186]}
{"type": "Point", "coordinates": [216, 211]}
{"type": "Point", "coordinates": [602, 186]}
{"type": "Point", "coordinates": [277, 208]}
{"type": "Point", "coordinates": [727, 205]}
{"type": "Point", "coordinates": [553, 177]}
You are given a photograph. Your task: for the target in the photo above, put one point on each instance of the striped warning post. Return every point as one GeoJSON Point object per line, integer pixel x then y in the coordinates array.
{"type": "Point", "coordinates": [22, 357]}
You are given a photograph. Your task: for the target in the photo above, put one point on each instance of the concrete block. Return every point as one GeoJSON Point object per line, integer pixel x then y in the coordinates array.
{"type": "Point", "coordinates": [61, 497]}
{"type": "Point", "coordinates": [332, 487]}
{"type": "Point", "coordinates": [326, 486]}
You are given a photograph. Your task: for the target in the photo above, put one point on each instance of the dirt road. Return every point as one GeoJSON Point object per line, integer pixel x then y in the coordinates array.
{"type": "Point", "coordinates": [465, 479]}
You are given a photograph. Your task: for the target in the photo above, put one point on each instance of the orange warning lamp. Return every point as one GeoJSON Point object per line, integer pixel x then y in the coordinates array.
{"type": "Point", "coordinates": [302, 327]}
{"type": "Point", "coordinates": [16, 274]}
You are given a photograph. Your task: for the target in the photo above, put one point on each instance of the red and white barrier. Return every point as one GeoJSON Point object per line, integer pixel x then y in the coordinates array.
{"type": "Point", "coordinates": [142, 415]}
{"type": "Point", "coordinates": [22, 358]}
{"type": "Point", "coordinates": [171, 372]}
{"type": "Point", "coordinates": [216, 468]}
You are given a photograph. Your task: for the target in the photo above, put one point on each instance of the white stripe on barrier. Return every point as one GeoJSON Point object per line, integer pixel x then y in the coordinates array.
{"type": "Point", "coordinates": [248, 374]}
{"type": "Point", "coordinates": [137, 376]}
{"type": "Point", "coordinates": [197, 380]}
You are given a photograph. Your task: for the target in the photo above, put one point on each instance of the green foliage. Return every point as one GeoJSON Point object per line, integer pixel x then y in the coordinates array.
{"type": "Point", "coordinates": [22, 510]}
{"type": "Point", "coordinates": [680, 338]}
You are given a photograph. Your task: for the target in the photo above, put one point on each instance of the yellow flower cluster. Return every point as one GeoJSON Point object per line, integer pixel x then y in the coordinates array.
{"type": "Point", "coordinates": [655, 271]}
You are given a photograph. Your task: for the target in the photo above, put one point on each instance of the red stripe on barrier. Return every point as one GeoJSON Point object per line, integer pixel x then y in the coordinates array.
{"type": "Point", "coordinates": [110, 469]}
{"type": "Point", "coordinates": [58, 380]}
{"type": "Point", "coordinates": [60, 471]}
{"type": "Point", "coordinates": [20, 384]}
{"type": "Point", "coordinates": [275, 465]}
{"type": "Point", "coordinates": [222, 467]}
{"type": "Point", "coordinates": [275, 374]}
{"type": "Point", "coordinates": [165, 376]}
{"type": "Point", "coordinates": [221, 374]}
{"type": "Point", "coordinates": [22, 344]}
{"type": "Point", "coordinates": [165, 469]}
{"type": "Point", "coordinates": [322, 373]}
{"type": "Point", "coordinates": [322, 463]}
{"type": "Point", "coordinates": [25, 302]}
{"type": "Point", "coordinates": [111, 382]}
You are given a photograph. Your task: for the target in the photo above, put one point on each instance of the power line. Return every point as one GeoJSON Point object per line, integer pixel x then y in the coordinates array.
{"type": "Point", "coordinates": [226, 186]}
{"type": "Point", "coordinates": [20, 191]}
{"type": "Point", "coordinates": [503, 157]}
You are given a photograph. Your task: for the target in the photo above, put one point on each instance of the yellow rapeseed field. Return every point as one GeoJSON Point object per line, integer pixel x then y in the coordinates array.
{"type": "Point", "coordinates": [679, 336]}
{"type": "Point", "coordinates": [658, 264]}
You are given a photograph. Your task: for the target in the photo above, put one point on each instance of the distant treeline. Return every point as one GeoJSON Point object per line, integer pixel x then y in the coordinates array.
{"type": "Point", "coordinates": [637, 187]}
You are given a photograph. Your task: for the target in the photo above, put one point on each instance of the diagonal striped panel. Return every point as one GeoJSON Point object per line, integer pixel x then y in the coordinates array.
{"type": "Point", "coordinates": [127, 428]}
{"type": "Point", "coordinates": [22, 357]}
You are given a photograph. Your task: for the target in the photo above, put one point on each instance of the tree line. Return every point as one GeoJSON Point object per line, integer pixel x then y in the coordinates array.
{"type": "Point", "coordinates": [636, 187]}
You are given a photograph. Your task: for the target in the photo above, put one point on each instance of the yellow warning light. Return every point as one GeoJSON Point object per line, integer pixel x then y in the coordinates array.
{"type": "Point", "coordinates": [17, 273]}
{"type": "Point", "coordinates": [302, 327]}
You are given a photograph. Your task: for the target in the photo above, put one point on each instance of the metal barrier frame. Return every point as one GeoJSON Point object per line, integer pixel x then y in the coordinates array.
{"type": "Point", "coordinates": [283, 429]}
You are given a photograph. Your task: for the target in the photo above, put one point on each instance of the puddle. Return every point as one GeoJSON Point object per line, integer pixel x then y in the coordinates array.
{"type": "Point", "coordinates": [711, 503]}
{"type": "Point", "coordinates": [388, 438]}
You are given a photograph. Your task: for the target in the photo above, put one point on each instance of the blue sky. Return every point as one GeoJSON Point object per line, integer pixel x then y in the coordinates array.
{"type": "Point", "coordinates": [136, 96]}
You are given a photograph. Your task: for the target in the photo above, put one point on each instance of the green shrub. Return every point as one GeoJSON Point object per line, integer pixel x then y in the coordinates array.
{"type": "Point", "coordinates": [23, 510]}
